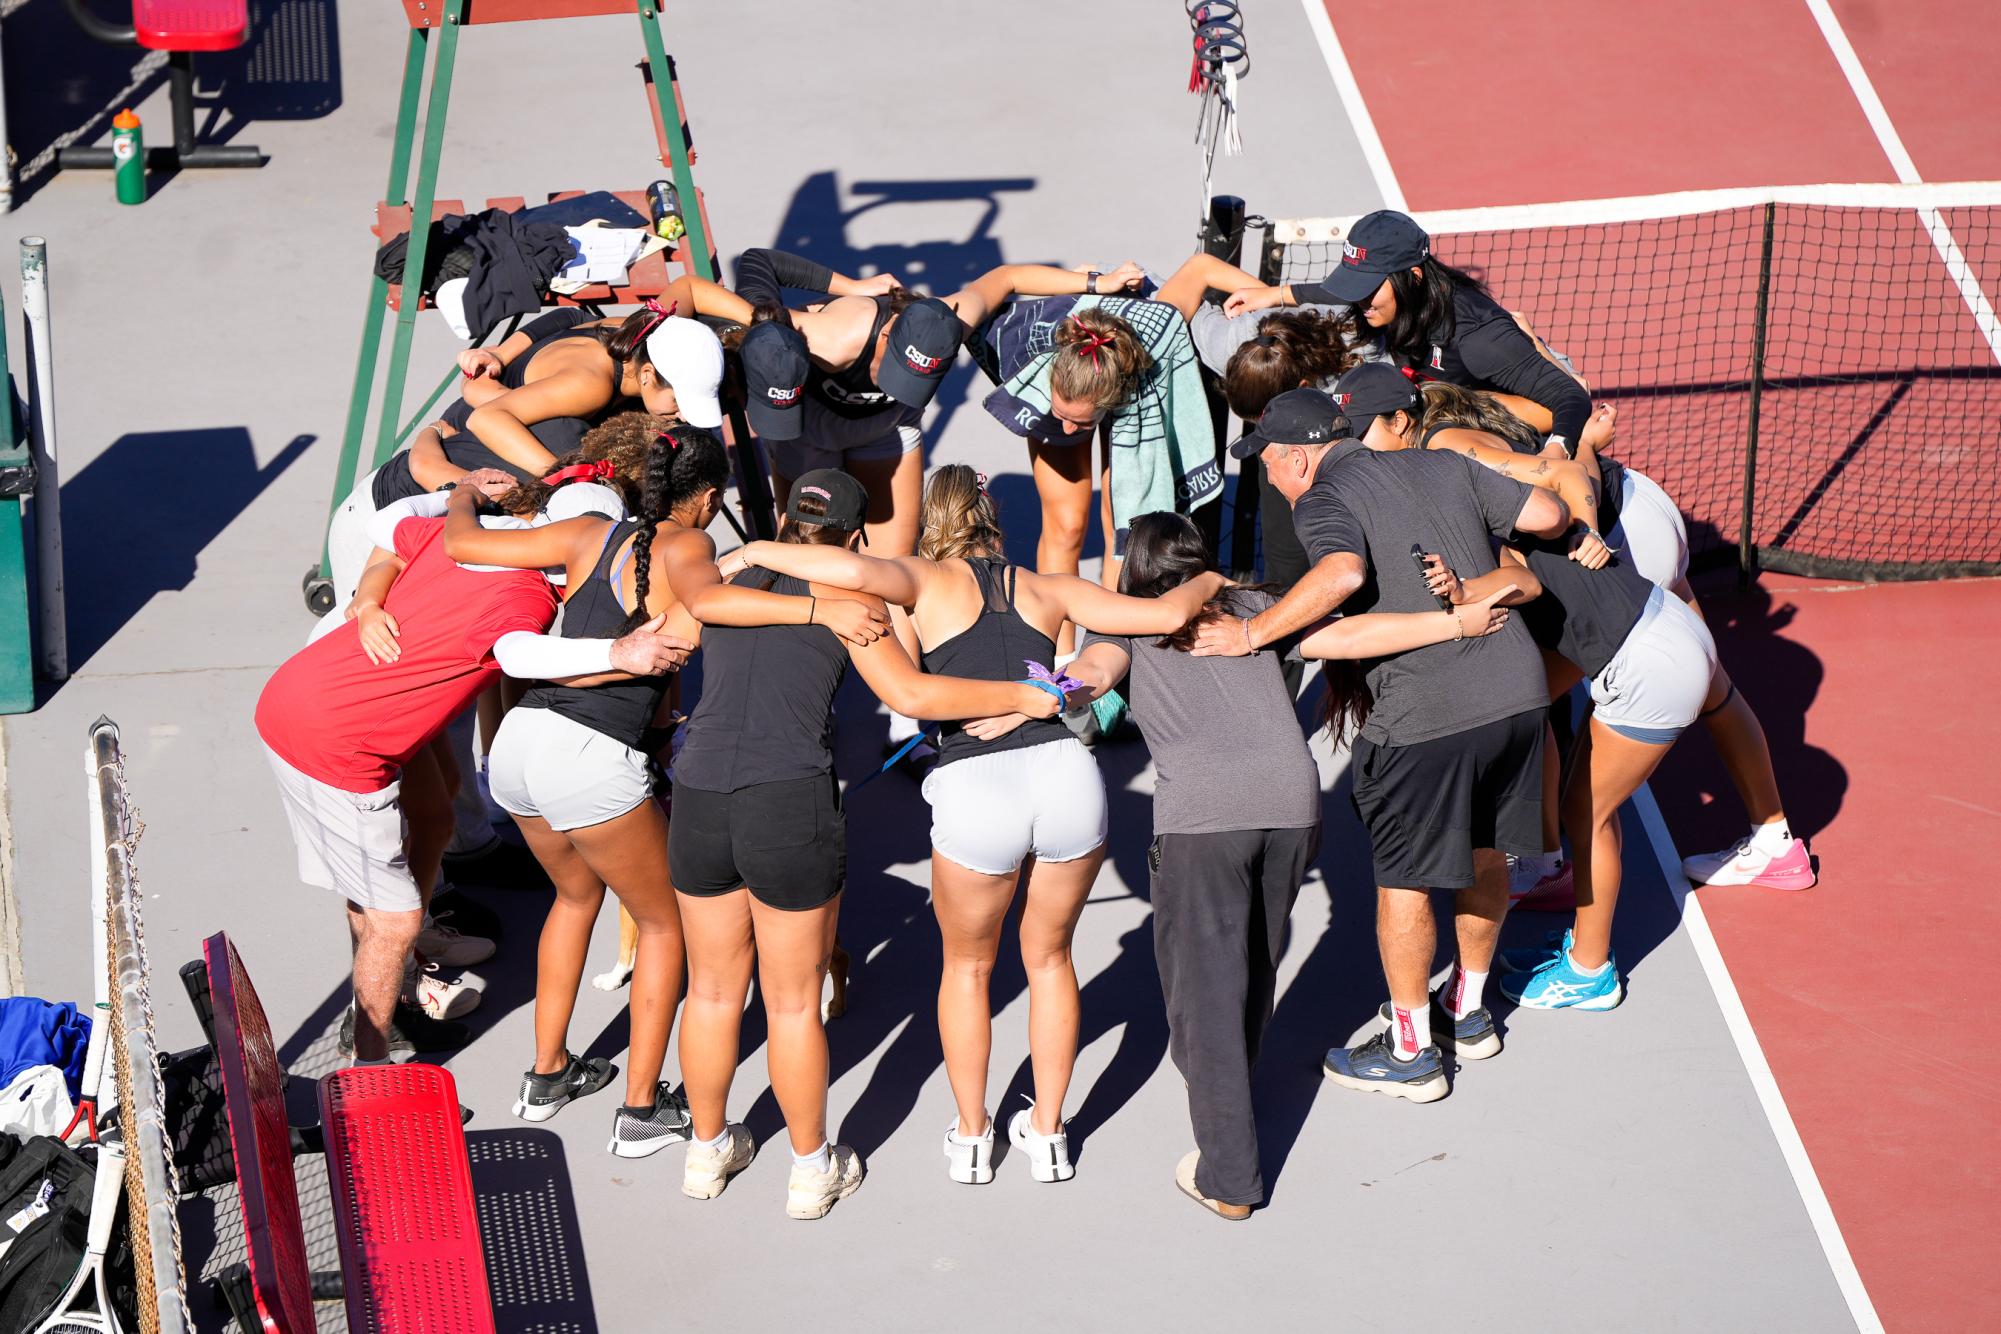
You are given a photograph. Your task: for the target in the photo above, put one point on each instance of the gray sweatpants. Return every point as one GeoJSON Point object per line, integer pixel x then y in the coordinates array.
{"type": "Point", "coordinates": [1220, 903]}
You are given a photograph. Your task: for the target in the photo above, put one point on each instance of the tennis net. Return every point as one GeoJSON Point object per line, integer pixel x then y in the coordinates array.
{"type": "Point", "coordinates": [152, 1190]}
{"type": "Point", "coordinates": [1814, 373]}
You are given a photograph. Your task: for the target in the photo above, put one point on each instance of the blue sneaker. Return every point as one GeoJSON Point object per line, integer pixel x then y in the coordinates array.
{"type": "Point", "coordinates": [1528, 958]}
{"type": "Point", "coordinates": [1472, 1036]}
{"type": "Point", "coordinates": [1558, 985]}
{"type": "Point", "coordinates": [1371, 1068]}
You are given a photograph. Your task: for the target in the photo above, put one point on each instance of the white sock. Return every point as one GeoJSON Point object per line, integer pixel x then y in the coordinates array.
{"type": "Point", "coordinates": [1463, 992]}
{"type": "Point", "coordinates": [1772, 839]}
{"type": "Point", "coordinates": [1410, 1030]}
{"type": "Point", "coordinates": [360, 1061]}
{"type": "Point", "coordinates": [1544, 863]}
{"type": "Point", "coordinates": [820, 1160]}
{"type": "Point", "coordinates": [1581, 970]}
{"type": "Point", "coordinates": [716, 1145]}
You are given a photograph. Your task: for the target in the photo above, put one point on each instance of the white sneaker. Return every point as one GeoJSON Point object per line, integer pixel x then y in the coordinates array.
{"type": "Point", "coordinates": [1048, 1155]}
{"type": "Point", "coordinates": [811, 1194]}
{"type": "Point", "coordinates": [446, 945]}
{"type": "Point", "coordinates": [969, 1161]}
{"type": "Point", "coordinates": [424, 988]}
{"type": "Point", "coordinates": [708, 1169]}
{"type": "Point", "coordinates": [1744, 863]}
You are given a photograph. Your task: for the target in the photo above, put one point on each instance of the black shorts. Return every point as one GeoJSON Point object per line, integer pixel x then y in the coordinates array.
{"type": "Point", "coordinates": [787, 842]}
{"type": "Point", "coordinates": [1427, 806]}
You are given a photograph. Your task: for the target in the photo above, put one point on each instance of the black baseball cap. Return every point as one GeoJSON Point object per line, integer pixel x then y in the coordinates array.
{"type": "Point", "coordinates": [774, 377]}
{"type": "Point", "coordinates": [845, 499]}
{"type": "Point", "coordinates": [1371, 390]}
{"type": "Point", "coordinates": [924, 341]}
{"type": "Point", "coordinates": [1295, 417]}
{"type": "Point", "coordinates": [1379, 244]}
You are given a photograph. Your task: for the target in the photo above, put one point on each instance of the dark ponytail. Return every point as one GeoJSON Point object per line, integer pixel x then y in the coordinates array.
{"type": "Point", "coordinates": [1424, 307]}
{"type": "Point", "coordinates": [683, 462]}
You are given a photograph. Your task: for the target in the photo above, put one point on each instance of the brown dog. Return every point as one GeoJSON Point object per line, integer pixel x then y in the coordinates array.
{"type": "Point", "coordinates": [628, 944]}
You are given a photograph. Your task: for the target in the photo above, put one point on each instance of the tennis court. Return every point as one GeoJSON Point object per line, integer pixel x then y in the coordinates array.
{"type": "Point", "coordinates": [1754, 1141]}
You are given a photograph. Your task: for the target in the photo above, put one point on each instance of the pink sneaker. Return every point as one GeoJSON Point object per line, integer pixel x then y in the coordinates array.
{"type": "Point", "coordinates": [1555, 892]}
{"type": "Point", "coordinates": [1742, 864]}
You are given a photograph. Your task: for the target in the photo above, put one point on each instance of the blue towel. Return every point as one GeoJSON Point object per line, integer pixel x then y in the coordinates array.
{"type": "Point", "coordinates": [37, 1032]}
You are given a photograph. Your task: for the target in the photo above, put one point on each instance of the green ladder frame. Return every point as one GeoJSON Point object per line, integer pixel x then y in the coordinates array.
{"type": "Point", "coordinates": [17, 661]}
{"type": "Point", "coordinates": [441, 21]}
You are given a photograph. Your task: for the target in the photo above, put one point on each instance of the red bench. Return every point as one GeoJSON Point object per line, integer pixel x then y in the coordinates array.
{"type": "Point", "coordinates": [396, 1160]}
{"type": "Point", "coordinates": [402, 1192]}
{"type": "Point", "coordinates": [191, 25]}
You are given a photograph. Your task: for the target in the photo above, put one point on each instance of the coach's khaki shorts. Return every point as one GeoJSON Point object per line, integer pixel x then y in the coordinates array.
{"type": "Point", "coordinates": [348, 842]}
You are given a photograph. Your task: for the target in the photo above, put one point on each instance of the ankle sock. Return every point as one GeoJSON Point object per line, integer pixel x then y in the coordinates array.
{"type": "Point", "coordinates": [1581, 970]}
{"type": "Point", "coordinates": [1463, 992]}
{"type": "Point", "coordinates": [1410, 1030]}
{"type": "Point", "coordinates": [646, 1109]}
{"type": "Point", "coordinates": [1772, 839]}
{"type": "Point", "coordinates": [361, 1060]}
{"type": "Point", "coordinates": [820, 1160]}
{"type": "Point", "coordinates": [717, 1144]}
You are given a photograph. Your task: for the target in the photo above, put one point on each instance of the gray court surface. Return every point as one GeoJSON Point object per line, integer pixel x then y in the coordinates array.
{"type": "Point", "coordinates": [1608, 1171]}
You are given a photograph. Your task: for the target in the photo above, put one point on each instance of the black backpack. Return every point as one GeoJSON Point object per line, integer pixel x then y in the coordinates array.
{"type": "Point", "coordinates": [45, 1189]}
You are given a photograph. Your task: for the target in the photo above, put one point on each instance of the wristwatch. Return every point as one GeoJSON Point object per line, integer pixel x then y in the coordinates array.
{"type": "Point", "coordinates": [1091, 282]}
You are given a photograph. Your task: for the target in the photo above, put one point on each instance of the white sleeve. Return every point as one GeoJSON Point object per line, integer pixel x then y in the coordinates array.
{"type": "Point", "coordinates": [531, 657]}
{"type": "Point", "coordinates": [381, 525]}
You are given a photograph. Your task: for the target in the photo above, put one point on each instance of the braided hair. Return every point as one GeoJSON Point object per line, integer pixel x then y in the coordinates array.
{"type": "Point", "coordinates": [681, 463]}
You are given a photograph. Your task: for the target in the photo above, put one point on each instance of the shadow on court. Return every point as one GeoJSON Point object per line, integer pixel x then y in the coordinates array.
{"type": "Point", "coordinates": [138, 516]}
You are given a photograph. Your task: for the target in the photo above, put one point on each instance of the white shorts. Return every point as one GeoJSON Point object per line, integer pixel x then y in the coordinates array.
{"type": "Point", "coordinates": [543, 764]}
{"type": "Point", "coordinates": [1650, 532]}
{"type": "Point", "coordinates": [829, 440]}
{"type": "Point", "coordinates": [990, 812]}
{"type": "Point", "coordinates": [347, 540]}
{"type": "Point", "coordinates": [1655, 685]}
{"type": "Point", "coordinates": [349, 842]}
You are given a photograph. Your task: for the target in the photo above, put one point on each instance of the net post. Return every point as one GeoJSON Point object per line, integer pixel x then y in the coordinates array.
{"type": "Point", "coordinates": [1746, 551]}
{"type": "Point", "coordinates": [1223, 237]}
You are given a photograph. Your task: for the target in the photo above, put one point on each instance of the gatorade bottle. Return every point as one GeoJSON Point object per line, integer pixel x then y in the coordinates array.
{"type": "Point", "coordinates": [665, 205]}
{"type": "Point", "coordinates": [128, 158]}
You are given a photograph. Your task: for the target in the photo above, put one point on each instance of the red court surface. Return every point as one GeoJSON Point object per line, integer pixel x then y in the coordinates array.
{"type": "Point", "coordinates": [1875, 697]}
{"type": "Point", "coordinates": [1588, 100]}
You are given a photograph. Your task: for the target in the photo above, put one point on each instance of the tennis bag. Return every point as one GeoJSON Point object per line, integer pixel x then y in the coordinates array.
{"type": "Point", "coordinates": [45, 1189]}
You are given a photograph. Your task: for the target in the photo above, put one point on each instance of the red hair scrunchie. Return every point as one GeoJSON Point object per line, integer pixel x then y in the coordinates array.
{"type": "Point", "coordinates": [597, 470]}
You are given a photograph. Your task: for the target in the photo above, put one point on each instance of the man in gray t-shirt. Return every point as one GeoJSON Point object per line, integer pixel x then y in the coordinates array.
{"type": "Point", "coordinates": [1449, 760]}
{"type": "Point", "coordinates": [1236, 822]}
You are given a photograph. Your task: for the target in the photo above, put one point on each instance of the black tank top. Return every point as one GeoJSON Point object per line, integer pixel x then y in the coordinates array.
{"type": "Point", "coordinates": [993, 648]}
{"type": "Point", "coordinates": [622, 710]}
{"type": "Point", "coordinates": [767, 709]}
{"type": "Point", "coordinates": [463, 449]}
{"type": "Point", "coordinates": [1585, 615]}
{"type": "Point", "coordinates": [853, 393]}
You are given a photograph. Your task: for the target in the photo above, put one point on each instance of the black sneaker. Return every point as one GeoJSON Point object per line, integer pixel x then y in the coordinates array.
{"type": "Point", "coordinates": [542, 1096]}
{"type": "Point", "coordinates": [411, 1032]}
{"type": "Point", "coordinates": [639, 1131]}
{"type": "Point", "coordinates": [503, 865]}
{"type": "Point", "coordinates": [453, 907]}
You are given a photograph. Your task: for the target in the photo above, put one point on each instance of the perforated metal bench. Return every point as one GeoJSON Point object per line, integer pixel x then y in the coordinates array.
{"type": "Point", "coordinates": [402, 1191]}
{"type": "Point", "coordinates": [396, 1161]}
{"type": "Point", "coordinates": [180, 28]}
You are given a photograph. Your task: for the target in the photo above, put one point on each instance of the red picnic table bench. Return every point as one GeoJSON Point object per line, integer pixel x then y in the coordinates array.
{"type": "Point", "coordinates": [396, 1161]}
{"type": "Point", "coordinates": [180, 28]}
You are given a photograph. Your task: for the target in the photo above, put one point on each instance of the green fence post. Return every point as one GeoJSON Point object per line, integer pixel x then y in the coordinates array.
{"type": "Point", "coordinates": [346, 468]}
{"type": "Point", "coordinates": [420, 230]}
{"type": "Point", "coordinates": [677, 143]}
{"type": "Point", "coordinates": [17, 663]}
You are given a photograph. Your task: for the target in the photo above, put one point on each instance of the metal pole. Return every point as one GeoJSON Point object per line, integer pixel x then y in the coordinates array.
{"type": "Point", "coordinates": [1746, 551]}
{"type": "Point", "coordinates": [42, 440]}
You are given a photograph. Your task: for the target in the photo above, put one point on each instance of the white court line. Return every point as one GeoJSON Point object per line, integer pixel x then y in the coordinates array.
{"type": "Point", "coordinates": [1358, 110]}
{"type": "Point", "coordinates": [1892, 144]}
{"type": "Point", "coordinates": [1752, 1054]}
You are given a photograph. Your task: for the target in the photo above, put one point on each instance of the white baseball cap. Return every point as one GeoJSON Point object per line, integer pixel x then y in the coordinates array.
{"type": "Point", "coordinates": [690, 359]}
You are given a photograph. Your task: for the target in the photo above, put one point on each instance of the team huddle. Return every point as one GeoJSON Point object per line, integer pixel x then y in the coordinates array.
{"type": "Point", "coordinates": [1443, 529]}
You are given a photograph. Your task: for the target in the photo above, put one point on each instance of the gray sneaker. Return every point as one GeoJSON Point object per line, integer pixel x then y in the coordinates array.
{"type": "Point", "coordinates": [542, 1096]}
{"type": "Point", "coordinates": [639, 1131]}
